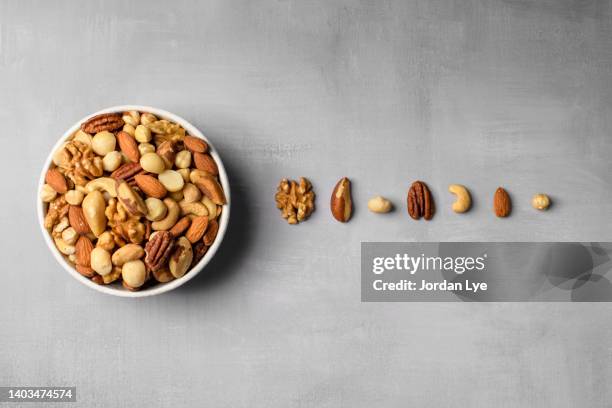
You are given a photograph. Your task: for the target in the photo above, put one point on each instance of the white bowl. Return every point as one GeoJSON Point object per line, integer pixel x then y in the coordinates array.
{"type": "Point", "coordinates": [115, 289]}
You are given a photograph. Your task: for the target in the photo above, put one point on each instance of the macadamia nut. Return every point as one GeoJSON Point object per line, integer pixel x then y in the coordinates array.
{"type": "Point", "coordinates": [379, 205]}
{"type": "Point", "coordinates": [172, 180]}
{"type": "Point", "coordinates": [134, 273]}
{"type": "Point", "coordinates": [103, 142]}
{"type": "Point", "coordinates": [152, 163]}
{"type": "Point", "coordinates": [145, 148]}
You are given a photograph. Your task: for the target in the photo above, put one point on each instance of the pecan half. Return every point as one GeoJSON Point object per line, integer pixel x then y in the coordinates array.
{"type": "Point", "coordinates": [105, 121]}
{"type": "Point", "coordinates": [128, 172]}
{"type": "Point", "coordinates": [420, 202]}
{"type": "Point", "coordinates": [158, 250]}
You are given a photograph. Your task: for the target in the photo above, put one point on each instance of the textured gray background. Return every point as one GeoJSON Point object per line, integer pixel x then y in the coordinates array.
{"type": "Point", "coordinates": [484, 93]}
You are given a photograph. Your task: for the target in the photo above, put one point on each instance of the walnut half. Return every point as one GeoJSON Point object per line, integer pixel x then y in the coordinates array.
{"type": "Point", "coordinates": [296, 201]}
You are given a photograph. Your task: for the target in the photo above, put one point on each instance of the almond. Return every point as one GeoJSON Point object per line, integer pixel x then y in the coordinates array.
{"type": "Point", "coordinates": [85, 271]}
{"type": "Point", "coordinates": [502, 205]}
{"type": "Point", "coordinates": [83, 247]}
{"type": "Point", "coordinates": [211, 233]}
{"type": "Point", "coordinates": [195, 144]}
{"type": "Point", "coordinates": [56, 180]}
{"type": "Point", "coordinates": [211, 188]}
{"type": "Point", "coordinates": [341, 203]}
{"type": "Point", "coordinates": [77, 220]}
{"type": "Point", "coordinates": [128, 146]}
{"type": "Point", "coordinates": [180, 227]}
{"type": "Point", "coordinates": [150, 186]}
{"type": "Point", "coordinates": [197, 229]}
{"type": "Point", "coordinates": [204, 162]}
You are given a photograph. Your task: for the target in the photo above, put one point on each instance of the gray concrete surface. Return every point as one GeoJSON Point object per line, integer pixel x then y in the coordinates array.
{"type": "Point", "coordinates": [486, 93]}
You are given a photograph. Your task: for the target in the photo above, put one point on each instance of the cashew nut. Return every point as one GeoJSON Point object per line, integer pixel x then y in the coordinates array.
{"type": "Point", "coordinates": [63, 247]}
{"type": "Point", "coordinates": [210, 206]}
{"type": "Point", "coordinates": [171, 216]}
{"type": "Point", "coordinates": [127, 253]}
{"type": "Point", "coordinates": [62, 225]}
{"type": "Point", "coordinates": [198, 209]}
{"type": "Point", "coordinates": [463, 201]}
{"type": "Point", "coordinates": [107, 184]}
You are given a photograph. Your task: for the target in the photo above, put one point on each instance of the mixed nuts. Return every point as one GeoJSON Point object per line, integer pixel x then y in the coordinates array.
{"type": "Point", "coordinates": [132, 198]}
{"type": "Point", "coordinates": [419, 201]}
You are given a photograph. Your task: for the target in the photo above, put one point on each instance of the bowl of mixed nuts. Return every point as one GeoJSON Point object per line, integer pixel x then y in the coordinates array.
{"type": "Point", "coordinates": [134, 201]}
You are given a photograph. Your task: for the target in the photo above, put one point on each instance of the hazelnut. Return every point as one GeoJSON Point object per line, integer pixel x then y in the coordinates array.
{"type": "Point", "coordinates": [147, 118]}
{"type": "Point", "coordinates": [106, 241]}
{"type": "Point", "coordinates": [70, 236]}
{"type": "Point", "coordinates": [176, 195]}
{"type": "Point", "coordinates": [540, 202]}
{"type": "Point", "coordinates": [131, 118]}
{"type": "Point", "coordinates": [142, 134]}
{"type": "Point", "coordinates": [191, 193]}
{"type": "Point", "coordinates": [183, 159]}
{"type": "Point", "coordinates": [47, 193]}
{"type": "Point", "coordinates": [112, 161]}
{"type": "Point", "coordinates": [83, 137]}
{"type": "Point", "coordinates": [129, 129]}
{"type": "Point", "coordinates": [101, 261]}
{"type": "Point", "coordinates": [185, 174]}
{"type": "Point", "coordinates": [74, 197]}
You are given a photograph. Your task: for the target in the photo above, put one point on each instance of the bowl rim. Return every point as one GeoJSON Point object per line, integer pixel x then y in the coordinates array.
{"type": "Point", "coordinates": [162, 287]}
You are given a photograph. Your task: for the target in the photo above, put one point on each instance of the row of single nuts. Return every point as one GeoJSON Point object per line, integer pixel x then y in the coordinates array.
{"type": "Point", "coordinates": [419, 202]}
{"type": "Point", "coordinates": [125, 185]}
